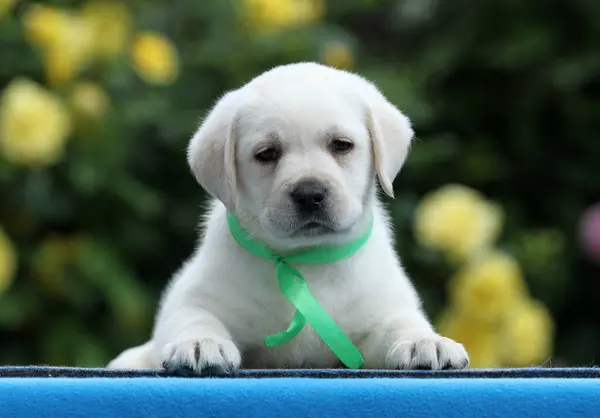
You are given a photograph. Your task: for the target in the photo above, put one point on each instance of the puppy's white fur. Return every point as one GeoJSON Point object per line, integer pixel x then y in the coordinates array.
{"type": "Point", "coordinates": [224, 301]}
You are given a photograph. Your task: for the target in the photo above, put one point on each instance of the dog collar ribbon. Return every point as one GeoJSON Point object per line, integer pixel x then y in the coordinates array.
{"type": "Point", "coordinates": [295, 289]}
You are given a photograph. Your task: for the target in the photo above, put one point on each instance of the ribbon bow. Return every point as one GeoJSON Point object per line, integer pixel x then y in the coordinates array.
{"type": "Point", "coordinates": [295, 289]}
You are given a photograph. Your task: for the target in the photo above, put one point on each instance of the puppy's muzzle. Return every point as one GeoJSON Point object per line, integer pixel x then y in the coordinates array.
{"type": "Point", "coordinates": [309, 197]}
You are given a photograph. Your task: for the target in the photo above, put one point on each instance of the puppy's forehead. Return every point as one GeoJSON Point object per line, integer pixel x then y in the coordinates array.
{"type": "Point", "coordinates": [301, 110]}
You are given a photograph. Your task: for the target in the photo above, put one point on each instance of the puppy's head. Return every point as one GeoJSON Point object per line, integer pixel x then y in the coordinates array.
{"type": "Point", "coordinates": [295, 151]}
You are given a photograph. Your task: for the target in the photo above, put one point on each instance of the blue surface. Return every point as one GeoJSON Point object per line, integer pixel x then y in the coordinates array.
{"type": "Point", "coordinates": [298, 397]}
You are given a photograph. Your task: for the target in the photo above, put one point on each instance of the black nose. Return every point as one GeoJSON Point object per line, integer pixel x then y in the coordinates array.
{"type": "Point", "coordinates": [309, 196]}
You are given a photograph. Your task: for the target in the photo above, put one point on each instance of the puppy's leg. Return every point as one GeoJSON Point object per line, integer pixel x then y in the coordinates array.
{"type": "Point", "coordinates": [196, 343]}
{"type": "Point", "coordinates": [134, 358]}
{"type": "Point", "coordinates": [407, 341]}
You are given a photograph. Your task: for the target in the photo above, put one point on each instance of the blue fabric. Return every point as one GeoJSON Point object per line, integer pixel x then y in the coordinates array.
{"type": "Point", "coordinates": [173, 397]}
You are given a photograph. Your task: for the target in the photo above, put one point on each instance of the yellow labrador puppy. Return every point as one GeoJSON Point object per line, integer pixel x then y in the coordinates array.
{"type": "Point", "coordinates": [295, 154]}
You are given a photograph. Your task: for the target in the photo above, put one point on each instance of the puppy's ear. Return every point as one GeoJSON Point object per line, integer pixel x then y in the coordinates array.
{"type": "Point", "coordinates": [391, 134]}
{"type": "Point", "coordinates": [211, 151]}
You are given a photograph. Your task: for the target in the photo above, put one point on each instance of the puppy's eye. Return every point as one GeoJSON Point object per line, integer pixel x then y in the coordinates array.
{"type": "Point", "coordinates": [267, 155]}
{"type": "Point", "coordinates": [341, 146]}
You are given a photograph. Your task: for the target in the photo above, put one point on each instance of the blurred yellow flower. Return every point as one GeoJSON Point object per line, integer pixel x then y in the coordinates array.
{"type": "Point", "coordinates": [34, 124]}
{"type": "Point", "coordinates": [337, 54]}
{"type": "Point", "coordinates": [43, 24]}
{"type": "Point", "coordinates": [155, 59]}
{"type": "Point", "coordinates": [71, 52]}
{"type": "Point", "coordinates": [89, 100]}
{"type": "Point", "coordinates": [269, 15]}
{"type": "Point", "coordinates": [528, 334]}
{"type": "Point", "coordinates": [457, 220]}
{"type": "Point", "coordinates": [64, 37]}
{"type": "Point", "coordinates": [6, 6]}
{"type": "Point", "coordinates": [481, 341]}
{"type": "Point", "coordinates": [487, 288]}
{"type": "Point", "coordinates": [8, 261]}
{"type": "Point", "coordinates": [110, 23]}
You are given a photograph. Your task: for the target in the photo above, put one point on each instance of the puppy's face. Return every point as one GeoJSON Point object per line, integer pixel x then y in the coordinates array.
{"type": "Point", "coordinates": [295, 151]}
{"type": "Point", "coordinates": [304, 163]}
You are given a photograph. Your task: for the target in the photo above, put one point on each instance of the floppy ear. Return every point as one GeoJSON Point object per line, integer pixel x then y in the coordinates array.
{"type": "Point", "coordinates": [391, 134]}
{"type": "Point", "coordinates": [211, 152]}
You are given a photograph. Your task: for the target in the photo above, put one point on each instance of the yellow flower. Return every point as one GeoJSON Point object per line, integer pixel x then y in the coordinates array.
{"type": "Point", "coordinates": [8, 261]}
{"type": "Point", "coordinates": [64, 37]}
{"type": "Point", "coordinates": [337, 54]}
{"type": "Point", "coordinates": [487, 288]}
{"type": "Point", "coordinates": [155, 58]}
{"type": "Point", "coordinates": [457, 220]}
{"type": "Point", "coordinates": [34, 124]}
{"type": "Point", "coordinates": [269, 15]}
{"type": "Point", "coordinates": [43, 24]}
{"type": "Point", "coordinates": [71, 52]}
{"type": "Point", "coordinates": [482, 342]}
{"type": "Point", "coordinates": [6, 6]}
{"type": "Point", "coordinates": [528, 334]}
{"type": "Point", "coordinates": [111, 24]}
{"type": "Point", "coordinates": [89, 100]}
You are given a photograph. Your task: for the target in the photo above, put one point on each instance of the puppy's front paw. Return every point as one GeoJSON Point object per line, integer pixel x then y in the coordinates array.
{"type": "Point", "coordinates": [202, 357]}
{"type": "Point", "coordinates": [432, 352]}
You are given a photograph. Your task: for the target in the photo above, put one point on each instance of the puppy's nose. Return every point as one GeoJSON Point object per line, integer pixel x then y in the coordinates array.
{"type": "Point", "coordinates": [309, 196]}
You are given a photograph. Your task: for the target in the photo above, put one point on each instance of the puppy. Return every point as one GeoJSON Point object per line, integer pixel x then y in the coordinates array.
{"type": "Point", "coordinates": [295, 154]}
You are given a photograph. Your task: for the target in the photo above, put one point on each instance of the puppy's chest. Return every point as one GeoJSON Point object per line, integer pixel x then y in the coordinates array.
{"type": "Point", "coordinates": [258, 308]}
{"type": "Point", "coordinates": [307, 349]}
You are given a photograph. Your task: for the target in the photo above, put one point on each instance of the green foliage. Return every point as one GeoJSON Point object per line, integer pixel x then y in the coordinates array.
{"type": "Point", "coordinates": [504, 96]}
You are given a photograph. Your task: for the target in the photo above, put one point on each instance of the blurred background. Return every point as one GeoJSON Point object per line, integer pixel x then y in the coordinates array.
{"type": "Point", "coordinates": [495, 210]}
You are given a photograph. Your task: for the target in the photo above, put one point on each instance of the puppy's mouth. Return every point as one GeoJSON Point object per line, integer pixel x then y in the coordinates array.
{"type": "Point", "coordinates": [313, 229]}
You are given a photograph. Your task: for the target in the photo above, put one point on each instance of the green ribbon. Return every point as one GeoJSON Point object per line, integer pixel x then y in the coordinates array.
{"type": "Point", "coordinates": [294, 287]}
